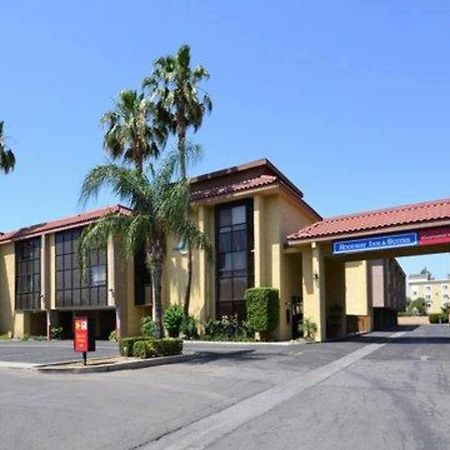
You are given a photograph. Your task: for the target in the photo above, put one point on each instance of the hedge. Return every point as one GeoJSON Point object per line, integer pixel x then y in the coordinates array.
{"type": "Point", "coordinates": [434, 318]}
{"type": "Point", "coordinates": [262, 309]}
{"type": "Point", "coordinates": [126, 344]}
{"type": "Point", "coordinates": [143, 347]}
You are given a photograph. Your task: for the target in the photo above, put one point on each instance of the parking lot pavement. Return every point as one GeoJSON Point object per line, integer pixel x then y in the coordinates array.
{"type": "Point", "coordinates": [368, 392]}
{"type": "Point", "coordinates": [47, 352]}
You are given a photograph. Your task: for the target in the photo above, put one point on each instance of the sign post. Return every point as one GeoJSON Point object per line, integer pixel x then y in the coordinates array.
{"type": "Point", "coordinates": [84, 336]}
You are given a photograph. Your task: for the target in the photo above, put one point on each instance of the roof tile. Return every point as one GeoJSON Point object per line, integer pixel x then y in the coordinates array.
{"type": "Point", "coordinates": [376, 219]}
{"type": "Point", "coordinates": [68, 222]}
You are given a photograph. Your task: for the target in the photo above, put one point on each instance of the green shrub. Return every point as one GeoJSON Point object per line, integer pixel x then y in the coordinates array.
{"type": "Point", "coordinates": [434, 318]}
{"type": "Point", "coordinates": [148, 327]}
{"type": "Point", "coordinates": [167, 346]}
{"type": "Point", "coordinates": [173, 317]}
{"type": "Point", "coordinates": [307, 328]}
{"type": "Point", "coordinates": [189, 327]}
{"type": "Point", "coordinates": [229, 328]}
{"type": "Point", "coordinates": [149, 348]}
{"type": "Point", "coordinates": [4, 337]}
{"type": "Point", "coordinates": [143, 349]}
{"type": "Point", "coordinates": [443, 318]}
{"type": "Point", "coordinates": [113, 336]}
{"type": "Point", "coordinates": [263, 307]}
{"type": "Point", "coordinates": [56, 333]}
{"type": "Point", "coordinates": [126, 344]}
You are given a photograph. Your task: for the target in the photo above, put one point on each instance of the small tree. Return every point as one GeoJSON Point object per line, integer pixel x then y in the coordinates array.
{"type": "Point", "coordinates": [158, 210]}
{"type": "Point", "coordinates": [7, 158]}
{"type": "Point", "coordinates": [416, 307]}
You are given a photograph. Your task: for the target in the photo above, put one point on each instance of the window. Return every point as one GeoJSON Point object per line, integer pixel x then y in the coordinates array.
{"type": "Point", "coordinates": [445, 287]}
{"type": "Point", "coordinates": [28, 274]}
{"type": "Point", "coordinates": [73, 287]}
{"type": "Point", "coordinates": [234, 244]}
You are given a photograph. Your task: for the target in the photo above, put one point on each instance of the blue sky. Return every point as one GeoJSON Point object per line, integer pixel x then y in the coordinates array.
{"type": "Point", "coordinates": [350, 99]}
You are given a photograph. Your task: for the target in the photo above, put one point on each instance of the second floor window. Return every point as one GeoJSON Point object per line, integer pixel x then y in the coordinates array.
{"type": "Point", "coordinates": [28, 274]}
{"type": "Point", "coordinates": [75, 288]}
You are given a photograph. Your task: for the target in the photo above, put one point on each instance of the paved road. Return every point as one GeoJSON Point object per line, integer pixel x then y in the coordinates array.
{"type": "Point", "coordinates": [364, 394]}
{"type": "Point", "coordinates": [46, 352]}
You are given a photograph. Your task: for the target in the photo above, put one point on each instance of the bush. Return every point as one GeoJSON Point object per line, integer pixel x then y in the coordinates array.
{"type": "Point", "coordinates": [56, 333]}
{"type": "Point", "coordinates": [148, 327]}
{"type": "Point", "coordinates": [113, 336]}
{"type": "Point", "coordinates": [263, 307]}
{"type": "Point", "coordinates": [434, 318]}
{"type": "Point", "coordinates": [143, 349]}
{"type": "Point", "coordinates": [189, 327]}
{"type": "Point", "coordinates": [126, 344]}
{"type": "Point", "coordinates": [173, 317]}
{"type": "Point", "coordinates": [149, 348]}
{"type": "Point", "coordinates": [167, 346]}
{"type": "Point", "coordinates": [308, 329]}
{"type": "Point", "coordinates": [443, 318]}
{"type": "Point", "coordinates": [229, 328]}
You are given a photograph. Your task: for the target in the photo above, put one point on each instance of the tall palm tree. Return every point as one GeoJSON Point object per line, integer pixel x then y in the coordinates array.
{"type": "Point", "coordinates": [133, 130]}
{"type": "Point", "coordinates": [174, 86]}
{"type": "Point", "coordinates": [159, 207]}
{"type": "Point", "coordinates": [7, 158]}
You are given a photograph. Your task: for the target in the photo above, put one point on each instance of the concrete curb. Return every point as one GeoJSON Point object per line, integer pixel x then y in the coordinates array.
{"type": "Point", "coordinates": [126, 365]}
{"type": "Point", "coordinates": [257, 343]}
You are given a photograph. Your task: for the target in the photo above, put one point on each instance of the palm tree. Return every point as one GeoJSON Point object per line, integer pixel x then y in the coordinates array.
{"type": "Point", "coordinates": [174, 85]}
{"type": "Point", "coordinates": [133, 130]}
{"type": "Point", "coordinates": [7, 158]}
{"type": "Point", "coordinates": [159, 207]}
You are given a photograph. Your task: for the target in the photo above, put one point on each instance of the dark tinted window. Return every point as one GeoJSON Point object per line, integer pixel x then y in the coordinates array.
{"type": "Point", "coordinates": [28, 274]}
{"type": "Point", "coordinates": [75, 288]}
{"type": "Point", "coordinates": [234, 245]}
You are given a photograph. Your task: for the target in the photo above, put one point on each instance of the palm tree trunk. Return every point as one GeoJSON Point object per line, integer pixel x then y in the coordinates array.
{"type": "Point", "coordinates": [156, 271]}
{"type": "Point", "coordinates": [181, 132]}
{"type": "Point", "coordinates": [187, 294]}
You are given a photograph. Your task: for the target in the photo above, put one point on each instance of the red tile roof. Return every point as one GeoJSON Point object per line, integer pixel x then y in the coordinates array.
{"type": "Point", "coordinates": [239, 179]}
{"type": "Point", "coordinates": [419, 213]}
{"type": "Point", "coordinates": [61, 224]}
{"type": "Point", "coordinates": [232, 187]}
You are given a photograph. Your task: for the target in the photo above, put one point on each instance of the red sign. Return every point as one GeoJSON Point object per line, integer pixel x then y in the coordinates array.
{"type": "Point", "coordinates": [434, 236]}
{"type": "Point", "coordinates": [81, 334]}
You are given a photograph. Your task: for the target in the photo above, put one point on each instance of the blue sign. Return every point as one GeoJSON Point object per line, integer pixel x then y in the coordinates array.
{"type": "Point", "coordinates": [375, 243]}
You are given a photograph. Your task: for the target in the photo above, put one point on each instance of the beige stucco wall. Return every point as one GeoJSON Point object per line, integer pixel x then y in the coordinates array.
{"type": "Point", "coordinates": [357, 288]}
{"type": "Point", "coordinates": [7, 287]}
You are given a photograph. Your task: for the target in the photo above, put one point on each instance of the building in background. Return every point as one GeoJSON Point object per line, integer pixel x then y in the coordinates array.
{"type": "Point", "coordinates": [434, 292]}
{"type": "Point", "coordinates": [375, 292]}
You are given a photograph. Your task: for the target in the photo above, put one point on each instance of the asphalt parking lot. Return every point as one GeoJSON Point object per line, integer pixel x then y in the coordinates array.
{"type": "Point", "coordinates": [47, 352]}
{"type": "Point", "coordinates": [371, 392]}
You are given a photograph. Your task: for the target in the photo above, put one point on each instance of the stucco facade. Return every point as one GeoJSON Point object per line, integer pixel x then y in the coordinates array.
{"type": "Point", "coordinates": [276, 209]}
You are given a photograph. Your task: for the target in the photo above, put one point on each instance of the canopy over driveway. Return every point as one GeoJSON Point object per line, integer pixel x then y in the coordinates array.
{"type": "Point", "coordinates": [414, 229]}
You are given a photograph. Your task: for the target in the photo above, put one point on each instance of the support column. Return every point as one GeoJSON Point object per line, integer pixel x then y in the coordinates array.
{"type": "Point", "coordinates": [314, 304]}
{"type": "Point", "coordinates": [259, 257]}
{"type": "Point", "coordinates": [335, 298]}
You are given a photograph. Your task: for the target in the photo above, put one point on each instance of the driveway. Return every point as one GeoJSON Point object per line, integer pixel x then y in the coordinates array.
{"type": "Point", "coordinates": [380, 391]}
{"type": "Point", "coordinates": [46, 352]}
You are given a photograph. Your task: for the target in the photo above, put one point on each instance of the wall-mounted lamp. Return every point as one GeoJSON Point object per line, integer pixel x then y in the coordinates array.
{"type": "Point", "coordinates": [315, 276]}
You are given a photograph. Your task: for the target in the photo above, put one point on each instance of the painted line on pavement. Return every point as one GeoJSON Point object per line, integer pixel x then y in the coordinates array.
{"type": "Point", "coordinates": [16, 365]}
{"type": "Point", "coordinates": [204, 432]}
